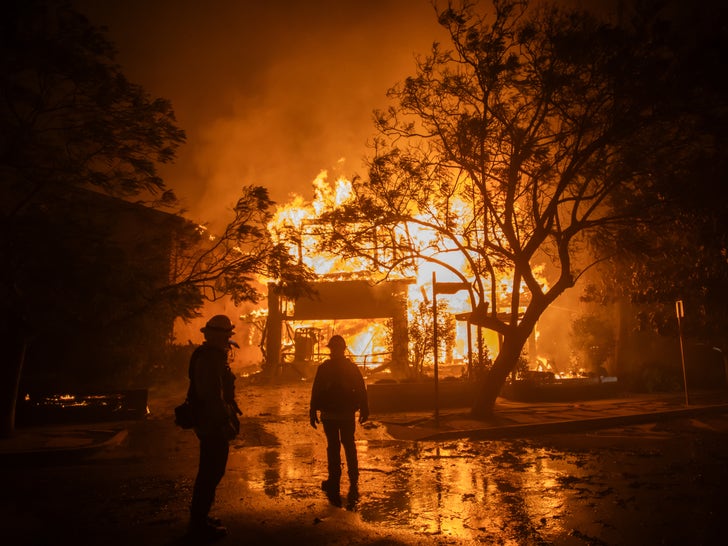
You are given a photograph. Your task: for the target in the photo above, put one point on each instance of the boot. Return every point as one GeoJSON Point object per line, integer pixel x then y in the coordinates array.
{"type": "Point", "coordinates": [352, 498]}
{"type": "Point", "coordinates": [354, 489]}
{"type": "Point", "coordinates": [331, 488]}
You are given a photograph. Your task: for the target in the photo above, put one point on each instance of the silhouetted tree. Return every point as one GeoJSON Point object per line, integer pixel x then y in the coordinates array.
{"type": "Point", "coordinates": [681, 253]}
{"type": "Point", "coordinates": [68, 118]}
{"type": "Point", "coordinates": [513, 150]}
{"type": "Point", "coordinates": [421, 335]}
{"type": "Point", "coordinates": [231, 263]}
{"type": "Point", "coordinates": [78, 142]}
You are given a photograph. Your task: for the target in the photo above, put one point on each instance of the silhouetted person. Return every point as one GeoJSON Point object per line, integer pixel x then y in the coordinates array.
{"type": "Point", "coordinates": [338, 392]}
{"type": "Point", "coordinates": [212, 389]}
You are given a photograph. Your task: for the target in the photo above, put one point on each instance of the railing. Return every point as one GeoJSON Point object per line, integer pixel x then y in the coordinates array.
{"type": "Point", "coordinates": [371, 361]}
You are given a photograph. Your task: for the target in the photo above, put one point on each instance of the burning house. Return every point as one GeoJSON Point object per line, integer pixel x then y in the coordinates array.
{"type": "Point", "coordinates": [387, 319]}
{"type": "Point", "coordinates": [377, 314]}
{"type": "Point", "coordinates": [355, 307]}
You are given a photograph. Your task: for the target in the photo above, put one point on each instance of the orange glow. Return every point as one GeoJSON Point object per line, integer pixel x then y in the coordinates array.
{"type": "Point", "coordinates": [293, 223]}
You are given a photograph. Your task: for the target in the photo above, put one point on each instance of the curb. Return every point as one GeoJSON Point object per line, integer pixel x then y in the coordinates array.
{"type": "Point", "coordinates": [63, 454]}
{"type": "Point", "coordinates": [580, 425]}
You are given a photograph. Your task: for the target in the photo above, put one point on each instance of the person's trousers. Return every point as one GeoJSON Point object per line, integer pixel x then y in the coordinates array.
{"type": "Point", "coordinates": [213, 459]}
{"type": "Point", "coordinates": [340, 433]}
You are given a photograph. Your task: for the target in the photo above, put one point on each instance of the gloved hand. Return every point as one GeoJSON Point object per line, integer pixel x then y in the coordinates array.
{"type": "Point", "coordinates": [313, 418]}
{"type": "Point", "coordinates": [363, 416]}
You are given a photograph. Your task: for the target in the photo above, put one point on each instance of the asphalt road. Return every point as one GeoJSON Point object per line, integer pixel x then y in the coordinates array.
{"type": "Point", "coordinates": [654, 483]}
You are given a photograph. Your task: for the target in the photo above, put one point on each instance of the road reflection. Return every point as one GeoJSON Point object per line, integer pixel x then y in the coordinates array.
{"type": "Point", "coordinates": [502, 492]}
{"type": "Point", "coordinates": [466, 491]}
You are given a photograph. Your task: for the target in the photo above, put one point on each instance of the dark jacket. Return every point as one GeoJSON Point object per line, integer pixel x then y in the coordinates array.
{"type": "Point", "coordinates": [212, 389]}
{"type": "Point", "coordinates": [338, 390]}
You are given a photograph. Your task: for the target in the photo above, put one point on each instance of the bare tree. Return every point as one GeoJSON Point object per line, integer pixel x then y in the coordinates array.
{"type": "Point", "coordinates": [509, 150]}
{"type": "Point", "coordinates": [233, 262]}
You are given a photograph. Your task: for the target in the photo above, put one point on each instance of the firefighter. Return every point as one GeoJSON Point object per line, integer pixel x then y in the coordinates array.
{"type": "Point", "coordinates": [338, 392]}
{"type": "Point", "coordinates": [212, 388]}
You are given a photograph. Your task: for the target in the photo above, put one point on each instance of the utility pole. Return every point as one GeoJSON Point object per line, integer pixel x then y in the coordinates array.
{"type": "Point", "coordinates": [434, 343]}
{"type": "Point", "coordinates": [680, 312]}
{"type": "Point", "coordinates": [440, 288]}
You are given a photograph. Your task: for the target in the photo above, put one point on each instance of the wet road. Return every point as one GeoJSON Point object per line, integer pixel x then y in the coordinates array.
{"type": "Point", "coordinates": [647, 484]}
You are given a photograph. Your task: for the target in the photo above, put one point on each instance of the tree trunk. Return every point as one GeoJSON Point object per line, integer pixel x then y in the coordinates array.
{"type": "Point", "coordinates": [622, 337]}
{"type": "Point", "coordinates": [490, 387]}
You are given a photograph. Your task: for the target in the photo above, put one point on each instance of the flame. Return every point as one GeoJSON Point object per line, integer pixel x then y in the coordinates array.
{"type": "Point", "coordinates": [327, 198]}
{"type": "Point", "coordinates": [202, 230]}
{"type": "Point", "coordinates": [368, 346]}
{"type": "Point", "coordinates": [289, 217]}
{"type": "Point", "coordinates": [292, 224]}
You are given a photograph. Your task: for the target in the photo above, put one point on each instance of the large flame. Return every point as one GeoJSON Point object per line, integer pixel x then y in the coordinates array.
{"type": "Point", "coordinates": [292, 224]}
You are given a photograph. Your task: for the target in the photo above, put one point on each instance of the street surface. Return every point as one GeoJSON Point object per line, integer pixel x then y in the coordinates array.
{"type": "Point", "coordinates": [650, 484]}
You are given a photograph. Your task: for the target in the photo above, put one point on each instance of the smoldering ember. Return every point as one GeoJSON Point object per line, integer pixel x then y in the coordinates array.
{"type": "Point", "coordinates": [529, 270]}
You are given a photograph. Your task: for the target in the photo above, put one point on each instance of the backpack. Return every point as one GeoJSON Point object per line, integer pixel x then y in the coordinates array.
{"type": "Point", "coordinates": [185, 415]}
{"type": "Point", "coordinates": [340, 388]}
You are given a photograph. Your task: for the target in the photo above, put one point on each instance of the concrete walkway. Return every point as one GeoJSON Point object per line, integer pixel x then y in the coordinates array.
{"type": "Point", "coordinates": [511, 419]}
{"type": "Point", "coordinates": [521, 419]}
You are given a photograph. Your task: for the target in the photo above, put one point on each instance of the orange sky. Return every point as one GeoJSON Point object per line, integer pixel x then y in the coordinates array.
{"type": "Point", "coordinates": [269, 92]}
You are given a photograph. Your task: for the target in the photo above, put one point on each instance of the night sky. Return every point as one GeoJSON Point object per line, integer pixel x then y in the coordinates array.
{"type": "Point", "coordinates": [269, 93]}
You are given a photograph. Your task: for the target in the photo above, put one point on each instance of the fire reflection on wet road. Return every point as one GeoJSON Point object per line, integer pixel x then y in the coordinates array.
{"type": "Point", "coordinates": [576, 489]}
{"type": "Point", "coordinates": [462, 490]}
{"type": "Point", "coordinates": [648, 484]}
{"type": "Point", "coordinates": [458, 490]}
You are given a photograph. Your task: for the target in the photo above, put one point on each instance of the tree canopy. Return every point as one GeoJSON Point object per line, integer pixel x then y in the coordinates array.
{"type": "Point", "coordinates": [69, 115]}
{"type": "Point", "coordinates": [681, 253]}
{"type": "Point", "coordinates": [536, 132]}
{"type": "Point", "coordinates": [69, 122]}
{"type": "Point", "coordinates": [85, 248]}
